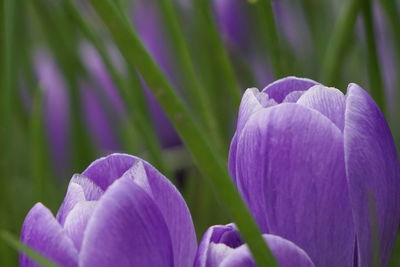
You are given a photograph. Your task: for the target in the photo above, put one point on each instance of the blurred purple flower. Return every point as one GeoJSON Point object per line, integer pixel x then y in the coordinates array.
{"type": "Point", "coordinates": [309, 161]}
{"type": "Point", "coordinates": [119, 212]}
{"type": "Point", "coordinates": [221, 246]}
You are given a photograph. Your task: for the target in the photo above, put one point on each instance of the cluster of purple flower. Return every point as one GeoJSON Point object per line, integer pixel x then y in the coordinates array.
{"type": "Point", "coordinates": [308, 161]}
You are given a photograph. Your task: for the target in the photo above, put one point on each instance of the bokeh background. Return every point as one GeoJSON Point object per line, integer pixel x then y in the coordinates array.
{"type": "Point", "coordinates": [68, 96]}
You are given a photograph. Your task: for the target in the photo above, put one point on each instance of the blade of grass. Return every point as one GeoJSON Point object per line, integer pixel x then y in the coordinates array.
{"type": "Point", "coordinates": [374, 72]}
{"type": "Point", "coordinates": [205, 155]}
{"type": "Point", "coordinates": [134, 99]}
{"type": "Point", "coordinates": [339, 40]}
{"type": "Point", "coordinates": [8, 82]}
{"type": "Point", "coordinates": [32, 254]}
{"type": "Point", "coordinates": [198, 95]}
{"type": "Point", "coordinates": [271, 37]}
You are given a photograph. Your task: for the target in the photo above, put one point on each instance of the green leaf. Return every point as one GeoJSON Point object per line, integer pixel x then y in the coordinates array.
{"type": "Point", "coordinates": [32, 254]}
{"type": "Point", "coordinates": [204, 154]}
{"type": "Point", "coordinates": [8, 18]}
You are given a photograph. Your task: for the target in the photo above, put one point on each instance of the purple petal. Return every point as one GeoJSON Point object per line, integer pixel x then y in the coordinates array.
{"type": "Point", "coordinates": [290, 170]}
{"type": "Point", "coordinates": [126, 229]}
{"type": "Point", "coordinates": [252, 101]}
{"type": "Point", "coordinates": [293, 96]}
{"type": "Point", "coordinates": [372, 168]}
{"type": "Point", "coordinates": [286, 253]}
{"type": "Point", "coordinates": [90, 189]}
{"type": "Point", "coordinates": [279, 89]}
{"type": "Point", "coordinates": [80, 188]}
{"type": "Point", "coordinates": [76, 221]}
{"type": "Point", "coordinates": [226, 234]}
{"type": "Point", "coordinates": [42, 232]}
{"type": "Point", "coordinates": [104, 171]}
{"type": "Point", "coordinates": [173, 208]}
{"type": "Point", "coordinates": [329, 101]}
{"type": "Point", "coordinates": [56, 106]}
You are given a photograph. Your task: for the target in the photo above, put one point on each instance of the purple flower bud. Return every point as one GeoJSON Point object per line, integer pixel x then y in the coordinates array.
{"type": "Point", "coordinates": [221, 246]}
{"type": "Point", "coordinates": [119, 212]}
{"type": "Point", "coordinates": [309, 161]}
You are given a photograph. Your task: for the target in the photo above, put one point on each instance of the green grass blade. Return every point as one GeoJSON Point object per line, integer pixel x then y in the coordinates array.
{"type": "Point", "coordinates": [32, 254]}
{"type": "Point", "coordinates": [339, 41]}
{"type": "Point", "coordinates": [7, 83]}
{"type": "Point", "coordinates": [197, 93]}
{"type": "Point", "coordinates": [374, 72]}
{"type": "Point", "coordinates": [205, 155]}
{"type": "Point", "coordinates": [268, 24]}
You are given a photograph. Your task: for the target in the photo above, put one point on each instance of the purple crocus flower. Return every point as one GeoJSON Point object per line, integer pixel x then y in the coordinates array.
{"type": "Point", "coordinates": [119, 212]}
{"type": "Point", "coordinates": [221, 246]}
{"type": "Point", "coordinates": [318, 168]}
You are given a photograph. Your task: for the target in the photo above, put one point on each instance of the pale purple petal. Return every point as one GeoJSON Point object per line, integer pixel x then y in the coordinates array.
{"type": "Point", "coordinates": [74, 195]}
{"type": "Point", "coordinates": [126, 229]}
{"type": "Point", "coordinates": [252, 101]}
{"type": "Point", "coordinates": [104, 171]}
{"type": "Point", "coordinates": [42, 232]}
{"type": "Point", "coordinates": [290, 170]}
{"type": "Point", "coordinates": [372, 168]}
{"type": "Point", "coordinates": [279, 89]}
{"type": "Point", "coordinates": [286, 253]}
{"type": "Point", "coordinates": [217, 253]}
{"type": "Point", "coordinates": [226, 234]}
{"type": "Point", "coordinates": [80, 188]}
{"type": "Point", "coordinates": [293, 96]}
{"type": "Point", "coordinates": [173, 208]}
{"type": "Point", "coordinates": [76, 221]}
{"type": "Point", "coordinates": [329, 101]}
{"type": "Point", "coordinates": [90, 189]}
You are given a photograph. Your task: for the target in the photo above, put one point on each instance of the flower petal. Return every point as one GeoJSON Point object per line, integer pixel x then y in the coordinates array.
{"type": "Point", "coordinates": [372, 168]}
{"type": "Point", "coordinates": [173, 208]}
{"type": "Point", "coordinates": [286, 253]}
{"type": "Point", "coordinates": [329, 101]}
{"type": "Point", "coordinates": [42, 232]}
{"type": "Point", "coordinates": [279, 89]}
{"type": "Point", "coordinates": [80, 188]}
{"type": "Point", "coordinates": [252, 101]}
{"type": "Point", "coordinates": [106, 170]}
{"type": "Point", "coordinates": [290, 170]}
{"type": "Point", "coordinates": [76, 221]}
{"type": "Point", "coordinates": [293, 96]}
{"type": "Point", "coordinates": [126, 229]}
{"type": "Point", "coordinates": [226, 234]}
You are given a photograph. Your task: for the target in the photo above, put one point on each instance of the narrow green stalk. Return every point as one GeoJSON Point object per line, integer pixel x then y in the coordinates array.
{"type": "Point", "coordinates": [33, 255]}
{"type": "Point", "coordinates": [7, 83]}
{"type": "Point", "coordinates": [132, 94]}
{"type": "Point", "coordinates": [339, 40]}
{"type": "Point", "coordinates": [215, 68]}
{"type": "Point", "coordinates": [220, 56]}
{"type": "Point", "coordinates": [374, 73]}
{"type": "Point", "coordinates": [202, 151]}
{"type": "Point", "coordinates": [268, 24]}
{"type": "Point", "coordinates": [197, 93]}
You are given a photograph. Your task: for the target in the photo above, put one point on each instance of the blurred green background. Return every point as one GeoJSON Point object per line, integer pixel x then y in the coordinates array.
{"type": "Point", "coordinates": [68, 94]}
